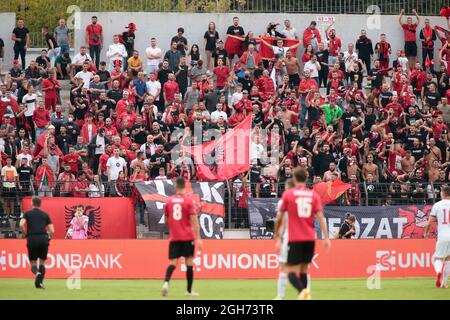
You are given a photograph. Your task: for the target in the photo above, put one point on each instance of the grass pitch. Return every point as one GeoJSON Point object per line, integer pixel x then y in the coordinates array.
{"type": "Point", "coordinates": [322, 289]}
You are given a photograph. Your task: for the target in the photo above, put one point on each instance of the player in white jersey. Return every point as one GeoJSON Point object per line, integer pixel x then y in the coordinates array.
{"type": "Point", "coordinates": [283, 247]}
{"type": "Point", "coordinates": [440, 213]}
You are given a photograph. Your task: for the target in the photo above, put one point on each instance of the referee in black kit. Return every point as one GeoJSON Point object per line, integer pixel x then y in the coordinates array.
{"type": "Point", "coordinates": [38, 231]}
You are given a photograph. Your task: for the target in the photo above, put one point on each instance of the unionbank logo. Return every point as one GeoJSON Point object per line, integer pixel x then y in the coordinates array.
{"type": "Point", "coordinates": [237, 261]}
{"type": "Point", "coordinates": [391, 260]}
{"type": "Point", "coordinates": [105, 261]}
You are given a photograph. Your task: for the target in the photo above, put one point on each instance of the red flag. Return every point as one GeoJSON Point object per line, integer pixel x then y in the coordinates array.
{"type": "Point", "coordinates": [225, 157]}
{"type": "Point", "coordinates": [428, 62]}
{"type": "Point", "coordinates": [267, 51]}
{"type": "Point", "coordinates": [445, 12]}
{"type": "Point", "coordinates": [234, 45]}
{"type": "Point", "coordinates": [330, 191]}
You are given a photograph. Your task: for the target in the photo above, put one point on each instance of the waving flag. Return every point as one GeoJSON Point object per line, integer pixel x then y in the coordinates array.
{"type": "Point", "coordinates": [225, 157]}
{"type": "Point", "coordinates": [330, 191]}
{"type": "Point", "coordinates": [445, 12]}
{"type": "Point", "coordinates": [267, 51]}
{"type": "Point", "coordinates": [234, 45]}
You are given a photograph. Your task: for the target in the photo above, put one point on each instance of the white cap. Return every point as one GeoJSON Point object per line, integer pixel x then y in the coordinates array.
{"type": "Point", "coordinates": [51, 127]}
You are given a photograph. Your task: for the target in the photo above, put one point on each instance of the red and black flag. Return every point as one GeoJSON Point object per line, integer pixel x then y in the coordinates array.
{"type": "Point", "coordinates": [208, 198]}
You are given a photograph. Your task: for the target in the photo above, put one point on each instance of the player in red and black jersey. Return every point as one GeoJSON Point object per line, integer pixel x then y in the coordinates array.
{"type": "Point", "coordinates": [302, 206]}
{"type": "Point", "coordinates": [184, 230]}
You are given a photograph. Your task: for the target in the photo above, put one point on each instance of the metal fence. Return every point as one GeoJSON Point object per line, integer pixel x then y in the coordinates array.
{"type": "Point", "coordinates": [428, 8]}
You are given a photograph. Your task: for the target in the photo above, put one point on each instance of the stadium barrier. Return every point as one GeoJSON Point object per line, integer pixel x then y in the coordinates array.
{"type": "Point", "coordinates": [224, 259]}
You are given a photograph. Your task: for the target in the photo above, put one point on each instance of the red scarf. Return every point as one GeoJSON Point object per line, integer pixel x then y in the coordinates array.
{"type": "Point", "coordinates": [428, 33]}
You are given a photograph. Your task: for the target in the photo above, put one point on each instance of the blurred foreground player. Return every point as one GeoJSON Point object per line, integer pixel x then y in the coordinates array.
{"type": "Point", "coordinates": [440, 213]}
{"type": "Point", "coordinates": [184, 229]}
{"type": "Point", "coordinates": [302, 205]}
{"type": "Point", "coordinates": [38, 229]}
{"type": "Point", "coordinates": [281, 245]}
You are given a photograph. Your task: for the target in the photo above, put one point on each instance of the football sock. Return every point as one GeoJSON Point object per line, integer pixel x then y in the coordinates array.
{"type": "Point", "coordinates": [309, 282]}
{"type": "Point", "coordinates": [293, 278]}
{"type": "Point", "coordinates": [189, 277]}
{"type": "Point", "coordinates": [169, 272]}
{"type": "Point", "coordinates": [446, 271]}
{"type": "Point", "coordinates": [34, 269]}
{"type": "Point", "coordinates": [42, 271]}
{"type": "Point", "coordinates": [304, 279]}
{"type": "Point", "coordinates": [282, 283]}
{"type": "Point", "coordinates": [438, 264]}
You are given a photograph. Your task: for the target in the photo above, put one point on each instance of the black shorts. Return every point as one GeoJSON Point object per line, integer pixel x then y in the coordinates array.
{"type": "Point", "coordinates": [294, 80]}
{"type": "Point", "coordinates": [410, 49]}
{"type": "Point", "coordinates": [179, 249]}
{"type": "Point", "coordinates": [37, 247]}
{"type": "Point", "coordinates": [300, 252]}
{"type": "Point", "coordinates": [9, 193]}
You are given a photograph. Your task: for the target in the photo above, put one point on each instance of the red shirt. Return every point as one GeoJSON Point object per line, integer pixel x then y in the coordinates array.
{"type": "Point", "coordinates": [41, 117]}
{"type": "Point", "coordinates": [437, 129]}
{"type": "Point", "coordinates": [51, 93]}
{"type": "Point", "coordinates": [94, 29]}
{"type": "Point", "coordinates": [410, 32]}
{"type": "Point", "coordinates": [302, 205]}
{"type": "Point", "coordinates": [333, 45]}
{"type": "Point", "coordinates": [222, 75]}
{"type": "Point", "coordinates": [170, 88]}
{"type": "Point", "coordinates": [307, 85]}
{"type": "Point", "coordinates": [179, 209]}
{"type": "Point", "coordinates": [103, 159]}
{"type": "Point", "coordinates": [72, 161]}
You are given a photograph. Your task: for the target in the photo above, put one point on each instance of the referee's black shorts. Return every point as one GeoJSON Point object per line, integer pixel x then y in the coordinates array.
{"type": "Point", "coordinates": [37, 247]}
{"type": "Point", "coordinates": [300, 252]}
{"type": "Point", "coordinates": [179, 249]}
{"type": "Point", "coordinates": [410, 49]}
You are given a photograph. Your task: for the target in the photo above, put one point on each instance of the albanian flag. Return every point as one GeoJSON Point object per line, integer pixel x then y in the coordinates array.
{"type": "Point", "coordinates": [267, 51]}
{"type": "Point", "coordinates": [225, 157]}
{"type": "Point", "coordinates": [445, 12]}
{"type": "Point", "coordinates": [234, 45]}
{"type": "Point", "coordinates": [330, 191]}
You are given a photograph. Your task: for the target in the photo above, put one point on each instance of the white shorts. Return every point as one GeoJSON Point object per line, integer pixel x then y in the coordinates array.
{"type": "Point", "coordinates": [282, 258]}
{"type": "Point", "coordinates": [442, 249]}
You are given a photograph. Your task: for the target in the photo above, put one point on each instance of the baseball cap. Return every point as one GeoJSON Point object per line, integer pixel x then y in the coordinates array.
{"type": "Point", "coordinates": [245, 91]}
{"type": "Point", "coordinates": [51, 127]}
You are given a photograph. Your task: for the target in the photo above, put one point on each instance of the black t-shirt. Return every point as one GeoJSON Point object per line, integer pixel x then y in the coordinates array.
{"type": "Point", "coordinates": [108, 105]}
{"type": "Point", "coordinates": [115, 94]}
{"type": "Point", "coordinates": [141, 137]}
{"type": "Point", "coordinates": [22, 34]}
{"type": "Point", "coordinates": [104, 76]}
{"type": "Point", "coordinates": [322, 57]}
{"type": "Point", "coordinates": [128, 41]}
{"type": "Point", "coordinates": [24, 174]}
{"type": "Point", "coordinates": [432, 98]}
{"type": "Point", "coordinates": [219, 54]}
{"type": "Point", "coordinates": [385, 98]}
{"type": "Point", "coordinates": [344, 229]}
{"type": "Point", "coordinates": [182, 77]}
{"type": "Point", "coordinates": [49, 37]}
{"type": "Point", "coordinates": [181, 42]}
{"type": "Point", "coordinates": [42, 62]}
{"type": "Point", "coordinates": [376, 83]}
{"type": "Point", "coordinates": [162, 158]}
{"type": "Point", "coordinates": [211, 39]}
{"type": "Point", "coordinates": [37, 221]}
{"type": "Point", "coordinates": [237, 31]}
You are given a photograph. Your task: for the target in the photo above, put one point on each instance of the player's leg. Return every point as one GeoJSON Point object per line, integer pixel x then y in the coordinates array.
{"type": "Point", "coordinates": [282, 282]}
{"type": "Point", "coordinates": [293, 272]}
{"type": "Point", "coordinates": [174, 254]}
{"type": "Point", "coordinates": [188, 253]}
{"type": "Point", "coordinates": [446, 272]}
{"type": "Point", "coordinates": [439, 260]}
{"type": "Point", "coordinates": [304, 280]}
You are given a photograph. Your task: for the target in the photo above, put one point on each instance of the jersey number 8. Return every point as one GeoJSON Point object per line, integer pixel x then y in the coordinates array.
{"type": "Point", "coordinates": [303, 207]}
{"type": "Point", "coordinates": [177, 211]}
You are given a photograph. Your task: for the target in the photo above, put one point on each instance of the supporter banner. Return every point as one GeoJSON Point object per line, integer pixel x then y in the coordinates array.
{"type": "Point", "coordinates": [220, 259]}
{"type": "Point", "coordinates": [267, 51]}
{"type": "Point", "coordinates": [391, 222]}
{"type": "Point", "coordinates": [109, 218]}
{"type": "Point", "coordinates": [207, 195]}
{"type": "Point", "coordinates": [331, 190]}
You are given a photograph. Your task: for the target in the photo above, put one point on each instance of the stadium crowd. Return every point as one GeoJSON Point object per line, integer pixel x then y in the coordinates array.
{"type": "Point", "coordinates": [356, 112]}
